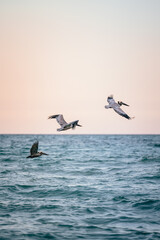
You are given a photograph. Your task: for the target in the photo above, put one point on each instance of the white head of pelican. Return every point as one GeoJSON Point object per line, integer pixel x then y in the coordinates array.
{"type": "Point", "coordinates": [116, 107]}
{"type": "Point", "coordinates": [64, 125]}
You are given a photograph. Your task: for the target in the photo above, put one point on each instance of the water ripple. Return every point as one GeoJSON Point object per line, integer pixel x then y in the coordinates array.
{"type": "Point", "coordinates": [88, 187]}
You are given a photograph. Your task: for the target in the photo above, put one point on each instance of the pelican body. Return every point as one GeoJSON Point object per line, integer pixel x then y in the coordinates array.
{"type": "Point", "coordinates": [34, 151]}
{"type": "Point", "coordinates": [116, 107]}
{"type": "Point", "coordinates": [64, 125]}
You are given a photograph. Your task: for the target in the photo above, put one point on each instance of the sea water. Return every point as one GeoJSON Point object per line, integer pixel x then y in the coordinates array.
{"type": "Point", "coordinates": [88, 187]}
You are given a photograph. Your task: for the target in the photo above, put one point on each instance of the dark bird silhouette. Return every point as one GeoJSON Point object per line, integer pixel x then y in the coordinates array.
{"type": "Point", "coordinates": [34, 151]}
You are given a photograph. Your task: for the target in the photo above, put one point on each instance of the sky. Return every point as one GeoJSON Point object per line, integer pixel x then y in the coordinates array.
{"type": "Point", "coordinates": [67, 56]}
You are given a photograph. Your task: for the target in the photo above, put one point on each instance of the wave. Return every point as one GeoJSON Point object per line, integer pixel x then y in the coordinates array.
{"type": "Point", "coordinates": [150, 159]}
{"type": "Point", "coordinates": [157, 145]}
{"type": "Point", "coordinates": [147, 204]}
{"type": "Point", "coordinates": [121, 199]}
{"type": "Point", "coordinates": [83, 189]}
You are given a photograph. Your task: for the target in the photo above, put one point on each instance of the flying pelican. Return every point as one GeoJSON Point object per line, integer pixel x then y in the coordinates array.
{"type": "Point", "coordinates": [64, 125]}
{"type": "Point", "coordinates": [116, 106]}
{"type": "Point", "coordinates": [34, 151]}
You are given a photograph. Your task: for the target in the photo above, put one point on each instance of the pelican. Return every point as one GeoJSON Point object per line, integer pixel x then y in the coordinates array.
{"type": "Point", "coordinates": [34, 151]}
{"type": "Point", "coordinates": [116, 107]}
{"type": "Point", "coordinates": [64, 125]}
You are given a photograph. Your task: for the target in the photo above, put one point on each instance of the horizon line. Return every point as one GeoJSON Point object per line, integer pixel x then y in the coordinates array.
{"type": "Point", "coordinates": [79, 134]}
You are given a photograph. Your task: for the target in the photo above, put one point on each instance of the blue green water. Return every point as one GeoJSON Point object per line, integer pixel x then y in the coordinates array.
{"type": "Point", "coordinates": [88, 187]}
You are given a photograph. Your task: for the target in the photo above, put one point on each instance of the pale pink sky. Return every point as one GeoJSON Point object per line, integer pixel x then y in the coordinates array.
{"type": "Point", "coordinates": [68, 56]}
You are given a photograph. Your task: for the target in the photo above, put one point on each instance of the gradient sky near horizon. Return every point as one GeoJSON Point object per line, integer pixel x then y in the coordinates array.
{"type": "Point", "coordinates": [67, 56]}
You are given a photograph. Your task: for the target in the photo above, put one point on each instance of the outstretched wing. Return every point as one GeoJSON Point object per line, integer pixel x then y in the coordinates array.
{"type": "Point", "coordinates": [110, 100]}
{"type": "Point", "coordinates": [59, 118]}
{"type": "Point", "coordinates": [121, 112]}
{"type": "Point", "coordinates": [34, 148]}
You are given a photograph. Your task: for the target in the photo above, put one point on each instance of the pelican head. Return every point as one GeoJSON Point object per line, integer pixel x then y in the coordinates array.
{"type": "Point", "coordinates": [74, 124]}
{"type": "Point", "coordinates": [120, 103]}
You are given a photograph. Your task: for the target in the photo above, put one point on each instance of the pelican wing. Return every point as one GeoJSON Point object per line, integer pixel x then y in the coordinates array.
{"type": "Point", "coordinates": [34, 148]}
{"type": "Point", "coordinates": [121, 112]}
{"type": "Point", "coordinates": [110, 100]}
{"type": "Point", "coordinates": [59, 118]}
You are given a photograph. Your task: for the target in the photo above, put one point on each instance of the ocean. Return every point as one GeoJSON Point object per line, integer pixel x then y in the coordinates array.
{"type": "Point", "coordinates": [88, 187]}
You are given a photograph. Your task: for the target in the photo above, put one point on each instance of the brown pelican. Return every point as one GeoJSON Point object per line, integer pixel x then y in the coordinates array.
{"type": "Point", "coordinates": [64, 125]}
{"type": "Point", "coordinates": [34, 151]}
{"type": "Point", "coordinates": [116, 106]}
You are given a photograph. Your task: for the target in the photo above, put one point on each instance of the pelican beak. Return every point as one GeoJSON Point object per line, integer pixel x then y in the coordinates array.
{"type": "Point", "coordinates": [125, 104]}
{"type": "Point", "coordinates": [79, 125]}
{"type": "Point", "coordinates": [44, 153]}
